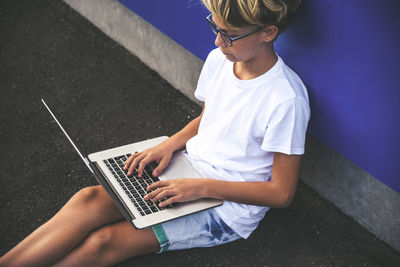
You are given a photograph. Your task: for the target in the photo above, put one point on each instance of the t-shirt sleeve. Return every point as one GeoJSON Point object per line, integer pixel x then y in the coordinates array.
{"type": "Point", "coordinates": [286, 129]}
{"type": "Point", "coordinates": [206, 74]}
{"type": "Point", "coordinates": [200, 89]}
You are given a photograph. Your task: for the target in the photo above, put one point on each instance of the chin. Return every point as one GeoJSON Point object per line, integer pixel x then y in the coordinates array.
{"type": "Point", "coordinates": [231, 58]}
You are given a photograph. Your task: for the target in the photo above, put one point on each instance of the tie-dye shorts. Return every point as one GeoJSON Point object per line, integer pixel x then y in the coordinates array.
{"type": "Point", "coordinates": [201, 229]}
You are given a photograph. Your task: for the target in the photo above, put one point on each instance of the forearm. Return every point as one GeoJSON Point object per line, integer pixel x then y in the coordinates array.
{"type": "Point", "coordinates": [278, 192]}
{"type": "Point", "coordinates": [178, 140]}
{"type": "Point", "coordinates": [252, 193]}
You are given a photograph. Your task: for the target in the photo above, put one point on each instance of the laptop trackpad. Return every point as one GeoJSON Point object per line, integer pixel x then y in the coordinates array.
{"type": "Point", "coordinates": [179, 167]}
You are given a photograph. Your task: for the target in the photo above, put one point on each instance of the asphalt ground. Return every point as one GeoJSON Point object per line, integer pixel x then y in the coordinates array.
{"type": "Point", "coordinates": [106, 97]}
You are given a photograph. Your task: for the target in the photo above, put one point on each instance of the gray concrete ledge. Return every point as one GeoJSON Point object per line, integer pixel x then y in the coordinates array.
{"type": "Point", "coordinates": [358, 194]}
{"type": "Point", "coordinates": [355, 192]}
{"type": "Point", "coordinates": [173, 62]}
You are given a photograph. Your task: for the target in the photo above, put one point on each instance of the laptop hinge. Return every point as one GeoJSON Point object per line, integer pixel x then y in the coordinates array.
{"type": "Point", "coordinates": [100, 177]}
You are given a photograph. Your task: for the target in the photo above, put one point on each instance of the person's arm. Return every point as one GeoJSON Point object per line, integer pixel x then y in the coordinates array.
{"type": "Point", "coordinates": [162, 153]}
{"type": "Point", "coordinates": [278, 192]}
{"type": "Point", "coordinates": [275, 193]}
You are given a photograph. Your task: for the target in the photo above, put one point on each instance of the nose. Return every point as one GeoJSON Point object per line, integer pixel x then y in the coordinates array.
{"type": "Point", "coordinates": [219, 41]}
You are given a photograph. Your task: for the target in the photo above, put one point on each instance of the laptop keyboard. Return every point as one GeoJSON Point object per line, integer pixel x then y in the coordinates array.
{"type": "Point", "coordinates": [135, 187]}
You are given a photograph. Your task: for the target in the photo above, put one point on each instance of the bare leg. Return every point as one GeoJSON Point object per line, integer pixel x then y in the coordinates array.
{"type": "Point", "coordinates": [87, 210]}
{"type": "Point", "coordinates": [112, 244]}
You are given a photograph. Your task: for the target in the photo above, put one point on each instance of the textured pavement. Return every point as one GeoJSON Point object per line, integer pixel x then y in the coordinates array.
{"type": "Point", "coordinates": [106, 97]}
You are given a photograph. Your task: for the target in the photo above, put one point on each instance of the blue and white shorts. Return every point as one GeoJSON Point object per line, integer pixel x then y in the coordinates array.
{"type": "Point", "coordinates": [201, 229]}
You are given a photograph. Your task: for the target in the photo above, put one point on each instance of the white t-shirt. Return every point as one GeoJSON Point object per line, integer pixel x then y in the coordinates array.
{"type": "Point", "coordinates": [244, 122]}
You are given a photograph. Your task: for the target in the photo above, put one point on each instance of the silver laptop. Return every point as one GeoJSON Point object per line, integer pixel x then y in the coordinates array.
{"type": "Point", "coordinates": [127, 191]}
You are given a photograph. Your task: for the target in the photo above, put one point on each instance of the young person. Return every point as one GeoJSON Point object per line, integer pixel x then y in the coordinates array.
{"type": "Point", "coordinates": [247, 142]}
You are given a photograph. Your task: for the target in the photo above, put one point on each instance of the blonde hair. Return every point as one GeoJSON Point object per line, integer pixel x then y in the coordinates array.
{"type": "Point", "coordinates": [244, 13]}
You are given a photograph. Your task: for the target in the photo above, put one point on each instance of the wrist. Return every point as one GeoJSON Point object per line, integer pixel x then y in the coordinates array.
{"type": "Point", "coordinates": [170, 145]}
{"type": "Point", "coordinates": [207, 188]}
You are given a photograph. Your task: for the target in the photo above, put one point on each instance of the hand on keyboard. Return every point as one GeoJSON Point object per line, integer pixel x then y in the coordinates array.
{"type": "Point", "coordinates": [134, 187]}
{"type": "Point", "coordinates": [177, 190]}
{"type": "Point", "coordinates": [160, 153]}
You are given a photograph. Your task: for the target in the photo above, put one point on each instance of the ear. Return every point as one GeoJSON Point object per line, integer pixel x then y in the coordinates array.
{"type": "Point", "coordinates": [270, 33]}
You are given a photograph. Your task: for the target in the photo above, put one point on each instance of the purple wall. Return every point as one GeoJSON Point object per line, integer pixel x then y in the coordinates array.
{"type": "Point", "coordinates": [346, 52]}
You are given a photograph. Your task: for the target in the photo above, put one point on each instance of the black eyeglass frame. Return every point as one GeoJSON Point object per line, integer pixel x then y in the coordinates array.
{"type": "Point", "coordinates": [228, 40]}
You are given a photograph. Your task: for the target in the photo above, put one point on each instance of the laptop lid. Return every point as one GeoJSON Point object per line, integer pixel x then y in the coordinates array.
{"type": "Point", "coordinates": [95, 172]}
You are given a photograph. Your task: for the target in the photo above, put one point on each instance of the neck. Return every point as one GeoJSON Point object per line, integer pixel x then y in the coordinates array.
{"type": "Point", "coordinates": [250, 69]}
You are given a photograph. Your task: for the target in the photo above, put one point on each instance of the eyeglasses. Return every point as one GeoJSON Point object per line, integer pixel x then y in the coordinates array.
{"type": "Point", "coordinates": [225, 37]}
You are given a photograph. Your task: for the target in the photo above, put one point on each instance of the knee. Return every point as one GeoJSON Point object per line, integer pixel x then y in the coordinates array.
{"type": "Point", "coordinates": [98, 244]}
{"type": "Point", "coordinates": [86, 195]}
